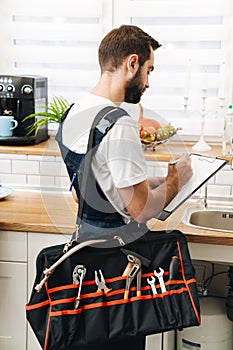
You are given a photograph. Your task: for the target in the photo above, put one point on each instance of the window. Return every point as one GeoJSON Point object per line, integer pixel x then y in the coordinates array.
{"type": "Point", "coordinates": [197, 52]}
{"type": "Point", "coordinates": [59, 39]}
{"type": "Point", "coordinates": [56, 39]}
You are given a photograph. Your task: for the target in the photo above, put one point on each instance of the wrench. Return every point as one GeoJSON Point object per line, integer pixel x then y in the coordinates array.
{"type": "Point", "coordinates": [160, 278]}
{"type": "Point", "coordinates": [78, 276]}
{"type": "Point", "coordinates": [151, 282]}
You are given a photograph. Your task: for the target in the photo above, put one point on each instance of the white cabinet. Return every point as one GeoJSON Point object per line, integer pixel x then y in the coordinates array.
{"type": "Point", "coordinates": [221, 254]}
{"type": "Point", "coordinates": [13, 290]}
{"type": "Point", "coordinates": [13, 284]}
{"type": "Point", "coordinates": [18, 252]}
{"type": "Point", "coordinates": [36, 242]}
{"type": "Point", "coordinates": [157, 341]}
{"type": "Point", "coordinates": [153, 342]}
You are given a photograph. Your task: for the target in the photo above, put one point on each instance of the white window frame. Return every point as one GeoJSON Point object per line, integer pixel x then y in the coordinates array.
{"type": "Point", "coordinates": [189, 118]}
{"type": "Point", "coordinates": [114, 13]}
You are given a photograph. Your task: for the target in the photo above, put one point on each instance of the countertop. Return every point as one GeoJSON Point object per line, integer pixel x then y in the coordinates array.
{"type": "Point", "coordinates": [38, 212]}
{"type": "Point", "coordinates": [46, 148]}
{"type": "Point", "coordinates": [163, 152]}
{"type": "Point", "coordinates": [50, 212]}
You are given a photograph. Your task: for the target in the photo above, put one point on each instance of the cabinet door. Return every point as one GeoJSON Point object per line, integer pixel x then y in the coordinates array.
{"type": "Point", "coordinates": [13, 294]}
{"type": "Point", "coordinates": [36, 242]}
{"type": "Point", "coordinates": [154, 342]}
{"type": "Point", "coordinates": [159, 341]}
{"type": "Point", "coordinates": [13, 246]}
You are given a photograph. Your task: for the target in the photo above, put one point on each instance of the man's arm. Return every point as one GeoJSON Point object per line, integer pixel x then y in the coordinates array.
{"type": "Point", "coordinates": [143, 203]}
{"type": "Point", "coordinates": [155, 181]}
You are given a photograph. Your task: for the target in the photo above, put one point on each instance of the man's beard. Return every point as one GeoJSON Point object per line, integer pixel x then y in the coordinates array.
{"type": "Point", "coordinates": [133, 91]}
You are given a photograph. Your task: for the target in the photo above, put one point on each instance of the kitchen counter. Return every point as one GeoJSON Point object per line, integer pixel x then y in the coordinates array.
{"type": "Point", "coordinates": [163, 152]}
{"type": "Point", "coordinates": [49, 212]}
{"type": "Point", "coordinates": [38, 212]}
{"type": "Point", "coordinates": [46, 148]}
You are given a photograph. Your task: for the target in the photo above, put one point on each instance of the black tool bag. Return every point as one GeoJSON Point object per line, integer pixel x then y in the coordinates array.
{"type": "Point", "coordinates": [86, 294]}
{"type": "Point", "coordinates": [103, 316]}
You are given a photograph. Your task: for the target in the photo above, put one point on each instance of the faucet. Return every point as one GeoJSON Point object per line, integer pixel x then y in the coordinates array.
{"type": "Point", "coordinates": [203, 199]}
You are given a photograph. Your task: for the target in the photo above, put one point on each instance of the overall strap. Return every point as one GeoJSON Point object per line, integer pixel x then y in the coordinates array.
{"type": "Point", "coordinates": [111, 110]}
{"type": "Point", "coordinates": [58, 136]}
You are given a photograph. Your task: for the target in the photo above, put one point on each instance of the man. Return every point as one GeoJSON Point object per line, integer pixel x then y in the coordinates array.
{"type": "Point", "coordinates": [126, 58]}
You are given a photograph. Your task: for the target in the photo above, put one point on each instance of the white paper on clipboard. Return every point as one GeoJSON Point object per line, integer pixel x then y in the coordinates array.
{"type": "Point", "coordinates": [203, 169]}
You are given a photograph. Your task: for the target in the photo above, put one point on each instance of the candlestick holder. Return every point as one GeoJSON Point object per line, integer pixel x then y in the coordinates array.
{"type": "Point", "coordinates": [186, 102]}
{"type": "Point", "coordinates": [221, 105]}
{"type": "Point", "coordinates": [202, 145]}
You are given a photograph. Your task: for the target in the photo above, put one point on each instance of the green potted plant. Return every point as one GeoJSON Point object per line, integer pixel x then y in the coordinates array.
{"type": "Point", "coordinates": [52, 114]}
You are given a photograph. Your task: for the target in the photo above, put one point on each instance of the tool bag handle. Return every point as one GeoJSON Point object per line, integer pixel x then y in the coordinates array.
{"type": "Point", "coordinates": [50, 270]}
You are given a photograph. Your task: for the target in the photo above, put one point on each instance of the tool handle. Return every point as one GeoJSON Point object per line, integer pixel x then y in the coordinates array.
{"type": "Point", "coordinates": [127, 269]}
{"type": "Point", "coordinates": [107, 290]}
{"type": "Point", "coordinates": [174, 266]}
{"type": "Point", "coordinates": [49, 271]}
{"type": "Point", "coordinates": [126, 294]}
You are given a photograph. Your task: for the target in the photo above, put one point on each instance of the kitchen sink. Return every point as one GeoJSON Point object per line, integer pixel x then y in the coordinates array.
{"type": "Point", "coordinates": [217, 218]}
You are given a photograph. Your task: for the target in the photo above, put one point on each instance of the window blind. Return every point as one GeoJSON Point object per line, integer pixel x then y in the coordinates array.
{"type": "Point", "coordinates": [196, 38]}
{"type": "Point", "coordinates": [59, 39]}
{"type": "Point", "coordinates": [56, 39]}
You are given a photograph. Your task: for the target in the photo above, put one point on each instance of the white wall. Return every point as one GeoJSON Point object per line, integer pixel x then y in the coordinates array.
{"type": "Point", "coordinates": [49, 172]}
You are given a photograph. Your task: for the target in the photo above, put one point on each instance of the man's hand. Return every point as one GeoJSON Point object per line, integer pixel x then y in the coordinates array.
{"type": "Point", "coordinates": [180, 172]}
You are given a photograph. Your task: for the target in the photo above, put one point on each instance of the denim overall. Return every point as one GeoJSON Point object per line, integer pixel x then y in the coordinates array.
{"type": "Point", "coordinates": [99, 219]}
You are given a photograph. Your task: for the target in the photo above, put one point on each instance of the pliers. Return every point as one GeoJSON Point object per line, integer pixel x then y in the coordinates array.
{"type": "Point", "coordinates": [135, 270]}
{"type": "Point", "coordinates": [101, 283]}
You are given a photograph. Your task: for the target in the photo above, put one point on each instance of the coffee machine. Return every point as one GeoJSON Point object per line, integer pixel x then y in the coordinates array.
{"type": "Point", "coordinates": [19, 97]}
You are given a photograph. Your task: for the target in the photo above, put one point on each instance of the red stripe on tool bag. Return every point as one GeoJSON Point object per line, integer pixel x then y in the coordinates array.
{"type": "Point", "coordinates": [117, 302]}
{"type": "Point", "coordinates": [37, 306]}
{"type": "Point", "coordinates": [62, 301]}
{"type": "Point", "coordinates": [48, 322]}
{"type": "Point", "coordinates": [47, 330]}
{"type": "Point", "coordinates": [186, 283]}
{"type": "Point", "coordinates": [74, 285]}
{"type": "Point", "coordinates": [57, 289]}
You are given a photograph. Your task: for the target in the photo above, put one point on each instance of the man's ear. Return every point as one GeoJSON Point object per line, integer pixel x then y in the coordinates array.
{"type": "Point", "coordinates": [132, 63]}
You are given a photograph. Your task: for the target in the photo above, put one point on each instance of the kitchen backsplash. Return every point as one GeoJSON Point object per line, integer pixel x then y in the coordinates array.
{"type": "Point", "coordinates": [49, 173]}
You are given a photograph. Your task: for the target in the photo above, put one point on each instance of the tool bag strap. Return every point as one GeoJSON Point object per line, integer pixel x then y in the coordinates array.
{"type": "Point", "coordinates": [89, 154]}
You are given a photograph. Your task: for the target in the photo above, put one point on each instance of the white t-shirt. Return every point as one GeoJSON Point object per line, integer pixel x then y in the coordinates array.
{"type": "Point", "coordinates": [119, 161]}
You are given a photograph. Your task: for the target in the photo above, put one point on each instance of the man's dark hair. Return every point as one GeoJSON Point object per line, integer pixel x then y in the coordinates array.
{"type": "Point", "coordinates": [123, 41]}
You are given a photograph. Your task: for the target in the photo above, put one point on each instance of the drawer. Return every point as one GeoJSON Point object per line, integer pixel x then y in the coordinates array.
{"type": "Point", "coordinates": [13, 246]}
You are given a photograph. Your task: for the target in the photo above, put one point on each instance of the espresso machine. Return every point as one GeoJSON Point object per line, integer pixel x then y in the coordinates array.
{"type": "Point", "coordinates": [19, 97]}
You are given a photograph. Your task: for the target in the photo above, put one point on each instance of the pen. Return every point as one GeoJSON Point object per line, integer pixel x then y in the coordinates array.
{"type": "Point", "coordinates": [173, 162]}
{"type": "Point", "coordinates": [72, 182]}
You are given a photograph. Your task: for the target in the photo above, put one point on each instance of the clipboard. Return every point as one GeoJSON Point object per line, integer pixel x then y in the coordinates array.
{"type": "Point", "coordinates": [204, 167]}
